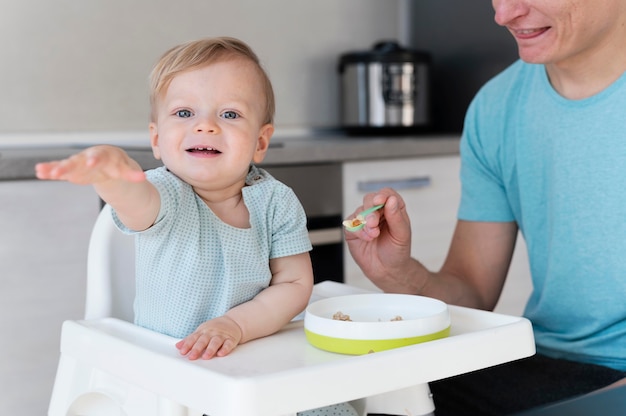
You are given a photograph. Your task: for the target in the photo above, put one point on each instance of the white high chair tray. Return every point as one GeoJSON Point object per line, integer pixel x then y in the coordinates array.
{"type": "Point", "coordinates": [283, 373]}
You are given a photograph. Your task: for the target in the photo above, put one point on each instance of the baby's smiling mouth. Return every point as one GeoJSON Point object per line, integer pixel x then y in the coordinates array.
{"type": "Point", "coordinates": [203, 150]}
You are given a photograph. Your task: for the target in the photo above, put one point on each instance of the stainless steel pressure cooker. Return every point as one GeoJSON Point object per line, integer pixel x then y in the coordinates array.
{"type": "Point", "coordinates": [385, 89]}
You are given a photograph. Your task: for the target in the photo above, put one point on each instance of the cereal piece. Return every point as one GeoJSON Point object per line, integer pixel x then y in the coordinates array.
{"type": "Point", "coordinates": [339, 316]}
{"type": "Point", "coordinates": [354, 222]}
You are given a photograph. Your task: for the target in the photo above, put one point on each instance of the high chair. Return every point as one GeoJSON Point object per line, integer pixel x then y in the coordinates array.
{"type": "Point", "coordinates": [110, 367]}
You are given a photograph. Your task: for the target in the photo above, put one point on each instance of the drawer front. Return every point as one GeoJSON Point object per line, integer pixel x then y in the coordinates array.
{"type": "Point", "coordinates": [431, 190]}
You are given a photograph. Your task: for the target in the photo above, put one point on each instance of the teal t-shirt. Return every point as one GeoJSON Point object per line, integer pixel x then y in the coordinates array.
{"type": "Point", "coordinates": [558, 168]}
{"type": "Point", "coordinates": [192, 267]}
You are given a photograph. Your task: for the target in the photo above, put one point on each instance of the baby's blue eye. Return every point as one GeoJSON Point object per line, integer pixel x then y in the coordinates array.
{"type": "Point", "coordinates": [230, 114]}
{"type": "Point", "coordinates": [184, 113]}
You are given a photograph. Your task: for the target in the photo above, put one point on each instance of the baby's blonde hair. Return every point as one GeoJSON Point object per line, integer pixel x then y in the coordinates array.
{"type": "Point", "coordinates": [199, 53]}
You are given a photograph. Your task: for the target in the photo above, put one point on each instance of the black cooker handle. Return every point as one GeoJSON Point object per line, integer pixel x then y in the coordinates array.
{"type": "Point", "coordinates": [387, 46]}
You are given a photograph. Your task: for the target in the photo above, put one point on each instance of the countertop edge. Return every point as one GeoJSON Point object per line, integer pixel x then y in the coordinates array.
{"type": "Point", "coordinates": [18, 162]}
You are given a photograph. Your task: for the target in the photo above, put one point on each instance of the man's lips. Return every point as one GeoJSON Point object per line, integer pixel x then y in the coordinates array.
{"type": "Point", "coordinates": [528, 33]}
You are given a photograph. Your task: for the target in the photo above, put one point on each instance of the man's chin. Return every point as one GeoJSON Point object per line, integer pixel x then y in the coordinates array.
{"type": "Point", "coordinates": [533, 55]}
{"type": "Point", "coordinates": [530, 58]}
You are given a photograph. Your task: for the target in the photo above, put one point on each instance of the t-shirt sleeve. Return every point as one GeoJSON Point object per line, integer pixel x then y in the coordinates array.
{"type": "Point", "coordinates": [289, 232]}
{"type": "Point", "coordinates": [483, 194]}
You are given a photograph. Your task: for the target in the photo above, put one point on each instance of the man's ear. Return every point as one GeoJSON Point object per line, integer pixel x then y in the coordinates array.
{"type": "Point", "coordinates": [154, 140]}
{"type": "Point", "coordinates": [263, 142]}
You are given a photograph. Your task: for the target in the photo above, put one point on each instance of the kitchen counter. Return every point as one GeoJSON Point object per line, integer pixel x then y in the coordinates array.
{"type": "Point", "coordinates": [17, 162]}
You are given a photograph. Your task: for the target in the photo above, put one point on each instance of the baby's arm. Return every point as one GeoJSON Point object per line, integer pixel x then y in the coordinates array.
{"type": "Point", "coordinates": [287, 295]}
{"type": "Point", "coordinates": [118, 179]}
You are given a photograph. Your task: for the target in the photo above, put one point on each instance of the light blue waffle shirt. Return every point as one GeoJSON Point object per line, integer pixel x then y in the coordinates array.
{"type": "Point", "coordinates": [192, 267]}
{"type": "Point", "coordinates": [558, 168]}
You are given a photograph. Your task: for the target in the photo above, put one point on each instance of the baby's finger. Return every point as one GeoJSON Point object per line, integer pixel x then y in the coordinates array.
{"type": "Point", "coordinates": [213, 348]}
{"type": "Point", "coordinates": [185, 345]}
{"type": "Point", "coordinates": [205, 347]}
{"type": "Point", "coordinates": [65, 167]}
{"type": "Point", "coordinates": [227, 347]}
{"type": "Point", "coordinates": [43, 170]}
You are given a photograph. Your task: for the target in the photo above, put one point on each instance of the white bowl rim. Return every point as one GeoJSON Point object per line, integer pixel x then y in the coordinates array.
{"type": "Point", "coordinates": [420, 316]}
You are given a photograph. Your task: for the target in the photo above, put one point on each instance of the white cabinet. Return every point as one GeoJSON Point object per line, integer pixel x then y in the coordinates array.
{"type": "Point", "coordinates": [430, 187]}
{"type": "Point", "coordinates": [45, 228]}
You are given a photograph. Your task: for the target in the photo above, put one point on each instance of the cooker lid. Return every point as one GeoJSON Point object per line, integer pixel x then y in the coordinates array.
{"type": "Point", "coordinates": [387, 51]}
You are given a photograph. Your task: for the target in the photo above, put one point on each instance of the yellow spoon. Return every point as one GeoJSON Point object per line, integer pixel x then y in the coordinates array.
{"type": "Point", "coordinates": [357, 223]}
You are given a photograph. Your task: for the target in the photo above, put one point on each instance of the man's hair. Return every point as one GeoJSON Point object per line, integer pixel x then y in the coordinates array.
{"type": "Point", "coordinates": [200, 53]}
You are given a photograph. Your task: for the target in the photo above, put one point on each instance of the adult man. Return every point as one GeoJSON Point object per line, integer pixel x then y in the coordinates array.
{"type": "Point", "coordinates": [543, 152]}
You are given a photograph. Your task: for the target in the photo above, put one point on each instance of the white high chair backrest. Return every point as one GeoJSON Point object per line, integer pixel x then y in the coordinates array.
{"type": "Point", "coordinates": [110, 271]}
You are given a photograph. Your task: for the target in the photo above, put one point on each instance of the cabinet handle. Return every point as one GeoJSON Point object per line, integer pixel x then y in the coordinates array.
{"type": "Point", "coordinates": [397, 184]}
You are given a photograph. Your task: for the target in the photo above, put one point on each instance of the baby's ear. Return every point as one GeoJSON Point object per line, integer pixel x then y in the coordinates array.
{"type": "Point", "coordinates": [154, 141]}
{"type": "Point", "coordinates": [263, 142]}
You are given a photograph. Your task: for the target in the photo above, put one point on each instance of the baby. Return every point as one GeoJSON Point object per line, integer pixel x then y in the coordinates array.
{"type": "Point", "coordinates": [222, 247]}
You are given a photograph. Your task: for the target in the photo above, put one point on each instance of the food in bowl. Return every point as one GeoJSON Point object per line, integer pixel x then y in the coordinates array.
{"type": "Point", "coordinates": [340, 316]}
{"type": "Point", "coordinates": [374, 322]}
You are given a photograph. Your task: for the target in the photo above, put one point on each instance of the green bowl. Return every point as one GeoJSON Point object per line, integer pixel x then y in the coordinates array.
{"type": "Point", "coordinates": [378, 322]}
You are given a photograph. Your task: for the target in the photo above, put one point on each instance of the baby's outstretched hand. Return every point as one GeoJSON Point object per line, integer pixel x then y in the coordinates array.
{"type": "Point", "coordinates": [214, 338]}
{"type": "Point", "coordinates": [92, 165]}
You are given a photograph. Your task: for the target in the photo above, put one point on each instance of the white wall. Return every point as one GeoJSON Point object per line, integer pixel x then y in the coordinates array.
{"type": "Point", "coordinates": [82, 65]}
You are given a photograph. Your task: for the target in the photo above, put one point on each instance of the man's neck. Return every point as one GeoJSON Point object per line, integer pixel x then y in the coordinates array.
{"type": "Point", "coordinates": [588, 74]}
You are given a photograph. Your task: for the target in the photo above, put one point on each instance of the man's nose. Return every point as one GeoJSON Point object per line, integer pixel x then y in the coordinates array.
{"type": "Point", "coordinates": [508, 10]}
